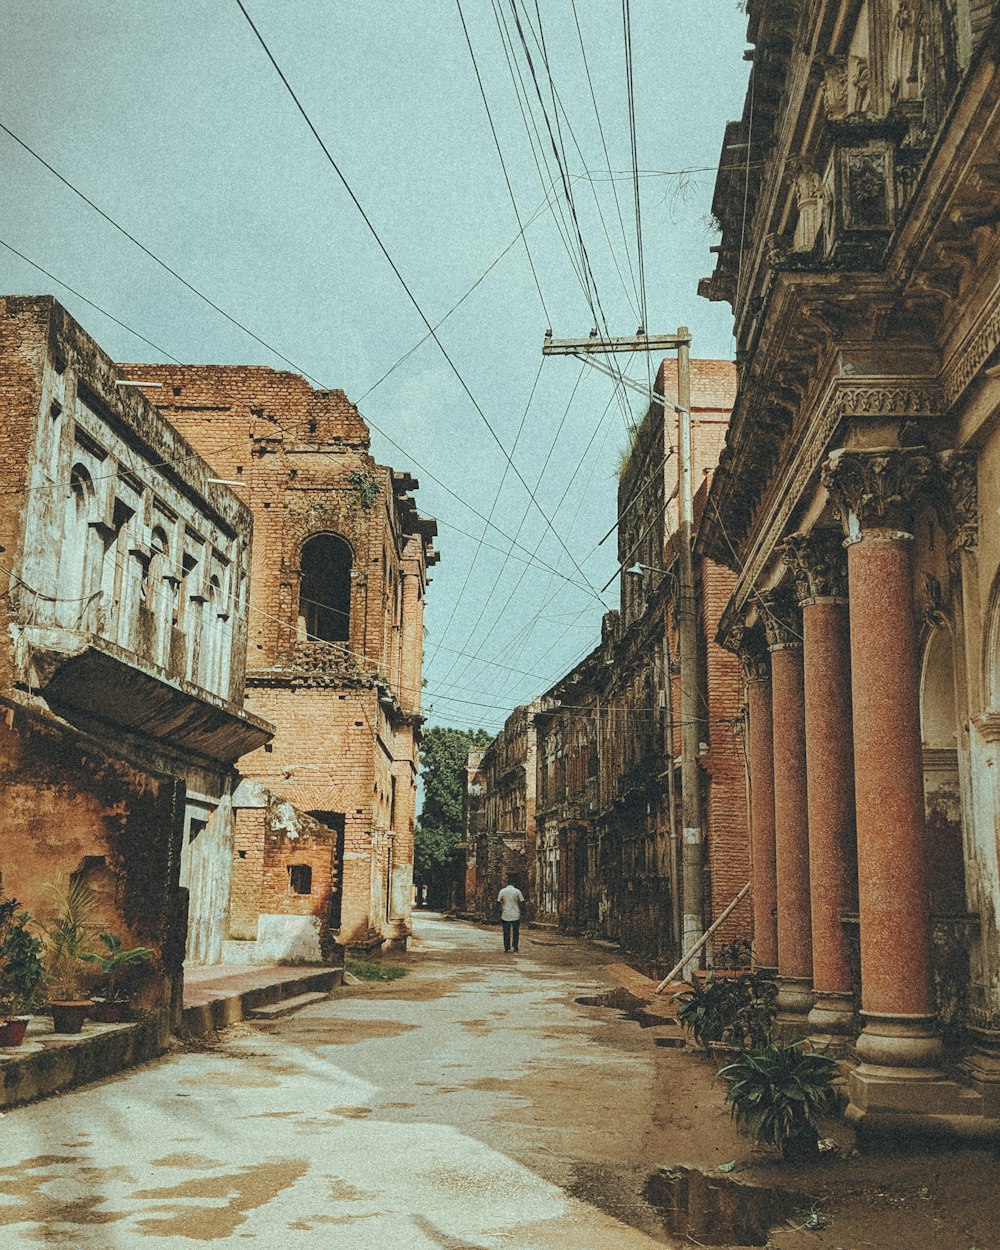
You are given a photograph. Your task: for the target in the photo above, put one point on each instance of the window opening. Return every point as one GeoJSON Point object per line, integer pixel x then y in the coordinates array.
{"type": "Point", "coordinates": [325, 589]}
{"type": "Point", "coordinates": [300, 878]}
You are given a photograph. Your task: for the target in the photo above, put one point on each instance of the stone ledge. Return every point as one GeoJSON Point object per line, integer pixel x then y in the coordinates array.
{"type": "Point", "coordinates": [234, 994]}
{"type": "Point", "coordinates": [48, 1063]}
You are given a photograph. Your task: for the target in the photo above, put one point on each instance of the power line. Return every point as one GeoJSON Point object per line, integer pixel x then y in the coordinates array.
{"type": "Point", "coordinates": [402, 281]}
{"type": "Point", "coordinates": [503, 163]}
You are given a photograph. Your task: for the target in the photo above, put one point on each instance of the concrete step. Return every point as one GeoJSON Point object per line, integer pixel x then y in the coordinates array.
{"type": "Point", "coordinates": [274, 1011]}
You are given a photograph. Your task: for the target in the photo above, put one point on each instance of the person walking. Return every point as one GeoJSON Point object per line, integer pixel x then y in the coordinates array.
{"type": "Point", "coordinates": [510, 899]}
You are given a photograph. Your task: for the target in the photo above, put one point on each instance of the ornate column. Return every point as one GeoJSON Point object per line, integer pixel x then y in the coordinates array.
{"type": "Point", "coordinates": [782, 625]}
{"type": "Point", "coordinates": [818, 564]}
{"type": "Point", "coordinates": [755, 664]}
{"type": "Point", "coordinates": [877, 494]}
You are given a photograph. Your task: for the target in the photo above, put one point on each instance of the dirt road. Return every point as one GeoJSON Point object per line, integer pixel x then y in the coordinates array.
{"type": "Point", "coordinates": [474, 1105]}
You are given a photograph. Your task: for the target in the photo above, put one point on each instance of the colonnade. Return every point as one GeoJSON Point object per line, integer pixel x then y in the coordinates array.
{"type": "Point", "coordinates": [836, 764]}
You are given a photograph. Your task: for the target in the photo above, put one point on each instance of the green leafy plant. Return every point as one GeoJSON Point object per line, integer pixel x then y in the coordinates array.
{"type": "Point", "coordinates": [776, 1095]}
{"type": "Point", "coordinates": [22, 972]}
{"type": "Point", "coordinates": [113, 964]}
{"type": "Point", "coordinates": [372, 970]}
{"type": "Point", "coordinates": [736, 954]}
{"type": "Point", "coordinates": [67, 930]}
{"type": "Point", "coordinates": [738, 1011]}
{"type": "Point", "coordinates": [707, 1008]}
{"type": "Point", "coordinates": [367, 485]}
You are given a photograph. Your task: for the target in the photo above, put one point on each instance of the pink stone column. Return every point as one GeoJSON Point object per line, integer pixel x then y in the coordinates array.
{"type": "Point", "coordinates": [877, 492]}
{"type": "Point", "coordinates": [791, 820]}
{"type": "Point", "coordinates": [756, 667]}
{"type": "Point", "coordinates": [818, 565]}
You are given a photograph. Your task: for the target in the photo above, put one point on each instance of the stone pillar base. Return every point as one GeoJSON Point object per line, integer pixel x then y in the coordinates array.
{"type": "Point", "coordinates": [902, 1102]}
{"type": "Point", "coordinates": [983, 1067]}
{"type": "Point", "coordinates": [909, 1043]}
{"type": "Point", "coordinates": [397, 933]}
{"type": "Point", "coordinates": [832, 1023]}
{"type": "Point", "coordinates": [795, 996]}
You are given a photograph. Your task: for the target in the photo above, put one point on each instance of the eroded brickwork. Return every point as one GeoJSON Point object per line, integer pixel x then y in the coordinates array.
{"type": "Point", "coordinates": [338, 580]}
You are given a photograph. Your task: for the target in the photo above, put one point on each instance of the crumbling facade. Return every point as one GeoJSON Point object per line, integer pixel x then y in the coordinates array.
{"type": "Point", "coordinates": [499, 814]}
{"type": "Point", "coordinates": [123, 569]}
{"type": "Point", "coordinates": [856, 504]}
{"type": "Point", "coordinates": [335, 636]}
{"type": "Point", "coordinates": [607, 811]}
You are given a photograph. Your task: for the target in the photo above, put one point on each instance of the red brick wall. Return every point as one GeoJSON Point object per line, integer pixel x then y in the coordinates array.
{"type": "Point", "coordinates": [336, 748]}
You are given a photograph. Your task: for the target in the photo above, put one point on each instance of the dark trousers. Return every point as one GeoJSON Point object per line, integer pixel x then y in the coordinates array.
{"type": "Point", "coordinates": [511, 928]}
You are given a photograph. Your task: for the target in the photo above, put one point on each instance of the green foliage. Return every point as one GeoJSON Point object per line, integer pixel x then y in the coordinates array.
{"type": "Point", "coordinates": [116, 961]}
{"type": "Point", "coordinates": [372, 970]}
{"type": "Point", "coordinates": [443, 755]}
{"type": "Point", "coordinates": [736, 1010]}
{"type": "Point", "coordinates": [367, 485]}
{"type": "Point", "coordinates": [22, 972]}
{"type": "Point", "coordinates": [777, 1093]}
{"type": "Point", "coordinates": [67, 930]}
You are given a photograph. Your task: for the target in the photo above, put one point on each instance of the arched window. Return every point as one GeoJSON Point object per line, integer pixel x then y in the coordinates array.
{"type": "Point", "coordinates": [325, 589]}
{"type": "Point", "coordinates": [942, 781]}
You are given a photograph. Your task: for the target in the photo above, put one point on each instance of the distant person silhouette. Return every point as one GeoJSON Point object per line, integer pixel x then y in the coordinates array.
{"type": "Point", "coordinates": [510, 899]}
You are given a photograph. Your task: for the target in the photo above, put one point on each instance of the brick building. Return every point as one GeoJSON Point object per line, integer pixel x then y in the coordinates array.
{"type": "Point", "coordinates": [606, 737]}
{"type": "Point", "coordinates": [499, 813]}
{"type": "Point", "coordinates": [123, 635]}
{"type": "Point", "coordinates": [335, 643]}
{"type": "Point", "coordinates": [857, 505]}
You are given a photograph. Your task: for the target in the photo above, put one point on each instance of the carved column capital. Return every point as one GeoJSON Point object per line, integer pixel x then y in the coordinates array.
{"type": "Point", "coordinates": [750, 646]}
{"type": "Point", "coordinates": [880, 489]}
{"type": "Point", "coordinates": [818, 565]}
{"type": "Point", "coordinates": [782, 619]}
{"type": "Point", "coordinates": [961, 493]}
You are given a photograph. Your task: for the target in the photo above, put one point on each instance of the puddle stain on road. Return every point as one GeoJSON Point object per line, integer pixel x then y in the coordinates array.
{"type": "Point", "coordinates": [242, 1191]}
{"type": "Point", "coordinates": [34, 1186]}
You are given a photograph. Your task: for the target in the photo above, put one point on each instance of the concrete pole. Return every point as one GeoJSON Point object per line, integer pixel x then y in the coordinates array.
{"type": "Point", "coordinates": [687, 620]}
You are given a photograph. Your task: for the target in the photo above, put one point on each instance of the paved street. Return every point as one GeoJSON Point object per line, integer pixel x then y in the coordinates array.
{"type": "Point", "coordinates": [472, 1104]}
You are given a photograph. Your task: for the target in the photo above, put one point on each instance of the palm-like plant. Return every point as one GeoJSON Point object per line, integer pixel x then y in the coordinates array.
{"type": "Point", "coordinates": [777, 1093]}
{"type": "Point", "coordinates": [115, 961]}
{"type": "Point", "coordinates": [67, 931]}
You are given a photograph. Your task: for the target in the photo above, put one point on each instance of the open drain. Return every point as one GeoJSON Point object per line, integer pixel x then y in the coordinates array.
{"type": "Point", "coordinates": [714, 1210]}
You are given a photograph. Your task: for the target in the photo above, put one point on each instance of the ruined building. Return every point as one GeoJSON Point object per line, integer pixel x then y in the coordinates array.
{"type": "Point", "coordinates": [857, 505]}
{"type": "Point", "coordinates": [340, 560]}
{"type": "Point", "coordinates": [123, 605]}
{"type": "Point", "coordinates": [499, 813]}
{"type": "Point", "coordinates": [603, 847]}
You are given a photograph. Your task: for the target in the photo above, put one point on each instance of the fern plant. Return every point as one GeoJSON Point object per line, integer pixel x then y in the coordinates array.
{"type": "Point", "coordinates": [777, 1093]}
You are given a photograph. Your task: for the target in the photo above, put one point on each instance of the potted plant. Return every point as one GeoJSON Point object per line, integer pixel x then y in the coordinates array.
{"type": "Point", "coordinates": [776, 1095]}
{"type": "Point", "coordinates": [708, 1008]}
{"type": "Point", "coordinates": [66, 933]}
{"type": "Point", "coordinates": [112, 1007]}
{"type": "Point", "coordinates": [22, 974]}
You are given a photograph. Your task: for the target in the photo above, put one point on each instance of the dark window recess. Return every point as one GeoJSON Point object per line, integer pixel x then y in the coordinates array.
{"type": "Point", "coordinates": [325, 589]}
{"type": "Point", "coordinates": [195, 827]}
{"type": "Point", "coordinates": [300, 878]}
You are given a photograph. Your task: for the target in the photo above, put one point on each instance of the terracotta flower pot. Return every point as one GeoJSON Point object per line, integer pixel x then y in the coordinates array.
{"type": "Point", "coordinates": [109, 1010]}
{"type": "Point", "coordinates": [68, 1017]}
{"type": "Point", "coordinates": [12, 1031]}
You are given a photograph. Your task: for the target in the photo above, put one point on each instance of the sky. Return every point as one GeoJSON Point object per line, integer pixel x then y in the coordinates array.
{"type": "Point", "coordinates": [172, 120]}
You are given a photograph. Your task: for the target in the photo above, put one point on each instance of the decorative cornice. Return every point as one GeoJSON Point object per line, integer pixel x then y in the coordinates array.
{"type": "Point", "coordinates": [904, 401]}
{"type": "Point", "coordinates": [782, 621]}
{"type": "Point", "coordinates": [879, 489]}
{"type": "Point", "coordinates": [818, 565]}
{"type": "Point", "coordinates": [972, 355]}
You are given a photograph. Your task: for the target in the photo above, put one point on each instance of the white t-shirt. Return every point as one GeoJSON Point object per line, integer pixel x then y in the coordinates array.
{"type": "Point", "coordinates": [511, 898]}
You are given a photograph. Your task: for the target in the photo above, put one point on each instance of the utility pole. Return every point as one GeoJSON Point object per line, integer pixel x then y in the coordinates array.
{"type": "Point", "coordinates": [693, 839]}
